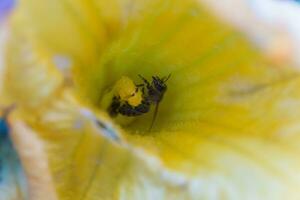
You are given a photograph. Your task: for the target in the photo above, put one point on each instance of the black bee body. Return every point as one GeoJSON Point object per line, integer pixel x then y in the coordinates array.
{"type": "Point", "coordinates": [128, 110]}
{"type": "Point", "coordinates": [153, 95]}
{"type": "Point", "coordinates": [124, 108]}
{"type": "Point", "coordinates": [155, 90]}
{"type": "Point", "coordinates": [113, 109]}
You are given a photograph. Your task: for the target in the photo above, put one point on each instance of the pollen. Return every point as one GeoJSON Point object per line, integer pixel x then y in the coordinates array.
{"type": "Point", "coordinates": [127, 91]}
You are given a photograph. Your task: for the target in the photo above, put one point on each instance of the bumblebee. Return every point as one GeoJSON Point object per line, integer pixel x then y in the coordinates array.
{"type": "Point", "coordinates": [134, 100]}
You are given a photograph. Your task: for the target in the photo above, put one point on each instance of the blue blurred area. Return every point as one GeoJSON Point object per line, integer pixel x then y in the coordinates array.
{"type": "Point", "coordinates": [12, 177]}
{"type": "Point", "coordinates": [5, 7]}
{"type": "Point", "coordinates": [4, 128]}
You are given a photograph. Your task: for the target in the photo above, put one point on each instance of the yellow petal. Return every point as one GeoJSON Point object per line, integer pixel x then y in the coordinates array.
{"type": "Point", "coordinates": [69, 32]}
{"type": "Point", "coordinates": [30, 75]}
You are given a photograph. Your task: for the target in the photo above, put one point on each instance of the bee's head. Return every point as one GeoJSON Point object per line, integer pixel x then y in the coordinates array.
{"type": "Point", "coordinates": [160, 83]}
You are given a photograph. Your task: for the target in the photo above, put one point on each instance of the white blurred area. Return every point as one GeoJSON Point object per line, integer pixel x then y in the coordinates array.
{"type": "Point", "coordinates": [273, 25]}
{"type": "Point", "coordinates": [3, 35]}
{"type": "Point", "coordinates": [282, 15]}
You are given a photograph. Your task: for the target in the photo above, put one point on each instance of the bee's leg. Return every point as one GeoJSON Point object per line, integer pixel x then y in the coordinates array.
{"type": "Point", "coordinates": [145, 81]}
{"type": "Point", "coordinates": [140, 85]}
{"type": "Point", "coordinates": [165, 79]}
{"type": "Point", "coordinates": [143, 90]}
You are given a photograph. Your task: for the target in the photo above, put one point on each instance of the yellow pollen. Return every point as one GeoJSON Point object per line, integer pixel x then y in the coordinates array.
{"type": "Point", "coordinates": [127, 91]}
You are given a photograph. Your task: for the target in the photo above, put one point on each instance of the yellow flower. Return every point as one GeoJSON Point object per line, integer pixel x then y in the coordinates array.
{"type": "Point", "coordinates": [227, 127]}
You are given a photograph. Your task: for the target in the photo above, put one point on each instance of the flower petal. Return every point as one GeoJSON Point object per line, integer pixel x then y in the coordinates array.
{"type": "Point", "coordinates": [34, 161]}
{"type": "Point", "coordinates": [225, 129]}
{"type": "Point", "coordinates": [79, 30]}
{"type": "Point", "coordinates": [29, 68]}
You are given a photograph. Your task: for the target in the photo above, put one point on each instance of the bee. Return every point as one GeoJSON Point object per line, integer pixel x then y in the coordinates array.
{"type": "Point", "coordinates": [156, 89]}
{"type": "Point", "coordinates": [151, 94]}
{"type": "Point", "coordinates": [155, 92]}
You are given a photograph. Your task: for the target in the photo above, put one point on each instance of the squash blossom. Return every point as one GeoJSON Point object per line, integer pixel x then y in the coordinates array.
{"type": "Point", "coordinates": [227, 126]}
